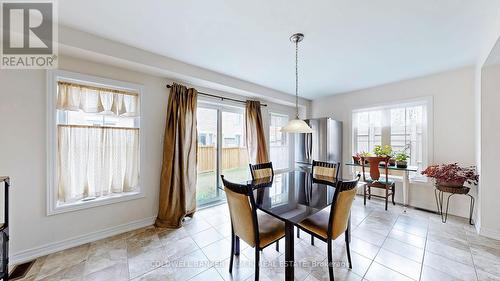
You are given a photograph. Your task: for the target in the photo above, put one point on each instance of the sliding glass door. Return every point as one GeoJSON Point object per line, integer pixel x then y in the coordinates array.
{"type": "Point", "coordinates": [221, 150]}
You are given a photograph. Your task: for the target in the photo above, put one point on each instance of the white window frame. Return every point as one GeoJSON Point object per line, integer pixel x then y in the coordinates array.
{"type": "Point", "coordinates": [290, 140]}
{"type": "Point", "coordinates": [53, 76]}
{"type": "Point", "coordinates": [427, 131]}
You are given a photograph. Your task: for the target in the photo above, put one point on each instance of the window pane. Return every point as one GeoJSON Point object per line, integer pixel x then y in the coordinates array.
{"type": "Point", "coordinates": [278, 142]}
{"type": "Point", "coordinates": [206, 188]}
{"type": "Point", "coordinates": [234, 161]}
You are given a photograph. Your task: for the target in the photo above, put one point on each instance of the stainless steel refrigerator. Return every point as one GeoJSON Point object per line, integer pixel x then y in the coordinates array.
{"type": "Point", "coordinates": [323, 144]}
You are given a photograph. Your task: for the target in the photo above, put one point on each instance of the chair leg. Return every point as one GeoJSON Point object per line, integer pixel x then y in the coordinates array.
{"type": "Point", "coordinates": [369, 193]}
{"type": "Point", "coordinates": [312, 240]}
{"type": "Point", "coordinates": [278, 246]}
{"type": "Point", "coordinates": [364, 195]}
{"type": "Point", "coordinates": [347, 247]}
{"type": "Point", "coordinates": [386, 196]}
{"type": "Point", "coordinates": [232, 252]}
{"type": "Point", "coordinates": [298, 232]}
{"type": "Point", "coordinates": [393, 192]}
{"type": "Point", "coordinates": [330, 260]}
{"type": "Point", "coordinates": [257, 257]}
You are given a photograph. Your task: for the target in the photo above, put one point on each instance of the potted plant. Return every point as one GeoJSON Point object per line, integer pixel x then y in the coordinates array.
{"type": "Point", "coordinates": [452, 175]}
{"type": "Point", "coordinates": [364, 154]}
{"type": "Point", "coordinates": [383, 151]}
{"type": "Point", "coordinates": [401, 159]}
{"type": "Point", "coordinates": [356, 158]}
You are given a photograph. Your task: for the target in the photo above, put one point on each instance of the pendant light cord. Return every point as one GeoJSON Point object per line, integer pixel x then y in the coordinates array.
{"type": "Point", "coordinates": [297, 78]}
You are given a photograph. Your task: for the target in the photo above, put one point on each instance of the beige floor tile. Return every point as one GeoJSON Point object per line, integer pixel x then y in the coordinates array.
{"type": "Point", "coordinates": [399, 263]}
{"type": "Point", "coordinates": [462, 254]}
{"type": "Point", "coordinates": [406, 250]}
{"type": "Point", "coordinates": [115, 272]}
{"type": "Point", "coordinates": [206, 237]}
{"type": "Point", "coordinates": [431, 274]}
{"type": "Point", "coordinates": [378, 272]}
{"type": "Point", "coordinates": [364, 248]}
{"type": "Point", "coordinates": [408, 238]}
{"type": "Point", "coordinates": [218, 251]}
{"type": "Point", "coordinates": [485, 276]}
{"type": "Point", "coordinates": [456, 269]}
{"type": "Point", "coordinates": [140, 263]}
{"type": "Point", "coordinates": [210, 274]}
{"type": "Point", "coordinates": [175, 249]}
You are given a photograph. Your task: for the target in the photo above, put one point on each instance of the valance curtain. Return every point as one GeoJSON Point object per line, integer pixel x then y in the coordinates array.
{"type": "Point", "coordinates": [256, 140]}
{"type": "Point", "coordinates": [96, 161]}
{"type": "Point", "coordinates": [90, 99]}
{"type": "Point", "coordinates": [178, 174]}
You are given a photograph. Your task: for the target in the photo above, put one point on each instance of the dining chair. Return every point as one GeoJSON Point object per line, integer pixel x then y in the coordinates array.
{"type": "Point", "coordinates": [262, 170]}
{"type": "Point", "coordinates": [375, 179]}
{"type": "Point", "coordinates": [324, 171]}
{"type": "Point", "coordinates": [256, 228]}
{"type": "Point", "coordinates": [328, 224]}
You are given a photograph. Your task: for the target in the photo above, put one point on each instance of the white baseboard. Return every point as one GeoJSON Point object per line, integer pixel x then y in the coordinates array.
{"type": "Point", "coordinates": [33, 253]}
{"type": "Point", "coordinates": [490, 233]}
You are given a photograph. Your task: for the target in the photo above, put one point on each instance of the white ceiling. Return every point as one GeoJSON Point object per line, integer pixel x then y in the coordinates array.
{"type": "Point", "coordinates": [348, 45]}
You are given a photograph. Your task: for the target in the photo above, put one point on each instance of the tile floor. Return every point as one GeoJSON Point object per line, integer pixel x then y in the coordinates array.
{"type": "Point", "coordinates": [385, 246]}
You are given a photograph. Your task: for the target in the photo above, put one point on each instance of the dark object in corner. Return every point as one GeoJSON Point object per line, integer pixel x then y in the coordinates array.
{"type": "Point", "coordinates": [21, 270]}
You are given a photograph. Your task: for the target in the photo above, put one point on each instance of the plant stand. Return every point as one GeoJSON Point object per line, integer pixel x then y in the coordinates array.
{"type": "Point", "coordinates": [4, 233]}
{"type": "Point", "coordinates": [439, 194]}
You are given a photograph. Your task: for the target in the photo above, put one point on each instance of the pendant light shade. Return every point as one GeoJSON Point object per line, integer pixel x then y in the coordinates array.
{"type": "Point", "coordinates": [297, 125]}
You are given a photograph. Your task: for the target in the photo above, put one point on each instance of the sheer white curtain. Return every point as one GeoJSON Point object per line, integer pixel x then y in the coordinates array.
{"type": "Point", "coordinates": [96, 161]}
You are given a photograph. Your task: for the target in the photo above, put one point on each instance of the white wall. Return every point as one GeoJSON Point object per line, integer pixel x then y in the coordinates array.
{"type": "Point", "coordinates": [23, 150]}
{"type": "Point", "coordinates": [23, 158]}
{"type": "Point", "coordinates": [453, 122]}
{"type": "Point", "coordinates": [490, 153]}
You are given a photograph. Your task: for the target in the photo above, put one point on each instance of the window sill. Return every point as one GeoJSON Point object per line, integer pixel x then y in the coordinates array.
{"type": "Point", "coordinates": [87, 204]}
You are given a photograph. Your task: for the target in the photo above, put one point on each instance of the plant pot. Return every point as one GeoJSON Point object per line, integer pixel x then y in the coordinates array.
{"type": "Point", "coordinates": [392, 162]}
{"type": "Point", "coordinates": [402, 164]}
{"type": "Point", "coordinates": [457, 183]}
{"type": "Point", "coordinates": [356, 159]}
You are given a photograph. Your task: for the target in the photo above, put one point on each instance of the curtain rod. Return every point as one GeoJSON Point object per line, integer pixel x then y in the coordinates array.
{"type": "Point", "coordinates": [220, 97]}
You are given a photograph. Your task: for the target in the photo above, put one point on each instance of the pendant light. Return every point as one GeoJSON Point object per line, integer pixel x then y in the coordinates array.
{"type": "Point", "coordinates": [297, 125]}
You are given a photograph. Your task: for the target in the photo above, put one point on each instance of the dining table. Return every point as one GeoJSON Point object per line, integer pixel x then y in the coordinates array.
{"type": "Point", "coordinates": [291, 197]}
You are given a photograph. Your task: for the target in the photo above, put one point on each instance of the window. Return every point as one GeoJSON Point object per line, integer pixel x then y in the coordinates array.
{"type": "Point", "coordinates": [94, 141]}
{"type": "Point", "coordinates": [403, 126]}
{"type": "Point", "coordinates": [279, 149]}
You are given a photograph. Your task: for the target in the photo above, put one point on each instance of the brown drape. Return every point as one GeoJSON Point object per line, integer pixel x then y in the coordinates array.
{"type": "Point", "coordinates": [256, 140]}
{"type": "Point", "coordinates": [178, 173]}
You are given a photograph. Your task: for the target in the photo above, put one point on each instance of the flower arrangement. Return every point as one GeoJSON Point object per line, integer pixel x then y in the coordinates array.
{"type": "Point", "coordinates": [452, 174]}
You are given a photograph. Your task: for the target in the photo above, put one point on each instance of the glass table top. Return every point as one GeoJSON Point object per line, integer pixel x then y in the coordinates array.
{"type": "Point", "coordinates": [292, 196]}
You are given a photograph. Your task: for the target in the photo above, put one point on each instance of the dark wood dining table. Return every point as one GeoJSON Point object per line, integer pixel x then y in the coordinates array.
{"type": "Point", "coordinates": [292, 197]}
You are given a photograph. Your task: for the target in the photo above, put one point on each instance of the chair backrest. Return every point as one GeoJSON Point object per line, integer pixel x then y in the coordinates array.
{"type": "Point", "coordinates": [341, 207]}
{"type": "Point", "coordinates": [325, 170]}
{"type": "Point", "coordinates": [242, 210]}
{"type": "Point", "coordinates": [374, 163]}
{"type": "Point", "coordinates": [263, 170]}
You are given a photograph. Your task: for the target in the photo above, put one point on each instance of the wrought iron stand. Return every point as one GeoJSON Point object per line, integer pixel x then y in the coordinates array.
{"type": "Point", "coordinates": [439, 194]}
{"type": "Point", "coordinates": [4, 233]}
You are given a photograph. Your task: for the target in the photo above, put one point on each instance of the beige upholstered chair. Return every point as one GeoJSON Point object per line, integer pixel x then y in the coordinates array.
{"type": "Point", "coordinates": [324, 171]}
{"type": "Point", "coordinates": [256, 228]}
{"type": "Point", "coordinates": [261, 171]}
{"type": "Point", "coordinates": [331, 222]}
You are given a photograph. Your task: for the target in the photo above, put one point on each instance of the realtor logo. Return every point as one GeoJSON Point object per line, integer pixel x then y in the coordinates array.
{"type": "Point", "coordinates": [29, 33]}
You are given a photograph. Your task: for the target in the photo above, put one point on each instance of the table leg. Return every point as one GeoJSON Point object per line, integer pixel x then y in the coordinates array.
{"type": "Point", "coordinates": [406, 185]}
{"type": "Point", "coordinates": [289, 251]}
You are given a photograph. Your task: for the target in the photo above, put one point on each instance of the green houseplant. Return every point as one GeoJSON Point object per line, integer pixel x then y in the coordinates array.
{"type": "Point", "coordinates": [401, 159]}
{"type": "Point", "coordinates": [383, 151]}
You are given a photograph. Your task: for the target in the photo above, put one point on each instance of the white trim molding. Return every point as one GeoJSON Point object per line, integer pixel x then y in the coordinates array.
{"type": "Point", "coordinates": [49, 248]}
{"type": "Point", "coordinates": [53, 76]}
{"type": "Point", "coordinates": [490, 233]}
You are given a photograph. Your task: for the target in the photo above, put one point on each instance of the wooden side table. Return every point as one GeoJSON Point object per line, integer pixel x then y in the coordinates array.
{"type": "Point", "coordinates": [439, 194]}
{"type": "Point", "coordinates": [4, 233]}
